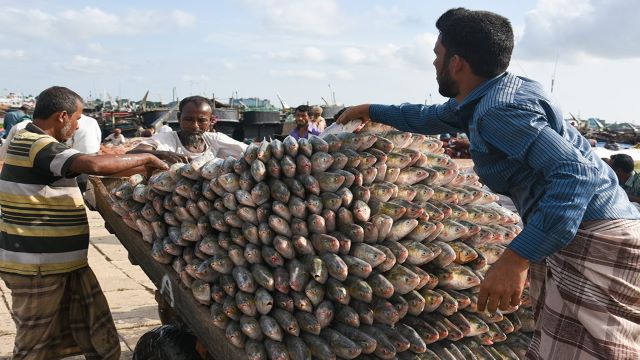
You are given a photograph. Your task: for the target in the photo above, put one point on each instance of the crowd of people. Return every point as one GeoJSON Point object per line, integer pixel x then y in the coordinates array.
{"type": "Point", "coordinates": [578, 248]}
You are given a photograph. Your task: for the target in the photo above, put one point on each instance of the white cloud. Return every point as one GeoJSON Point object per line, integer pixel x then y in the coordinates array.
{"type": "Point", "coordinates": [228, 64]}
{"type": "Point", "coordinates": [393, 15]}
{"type": "Point", "coordinates": [89, 22]}
{"type": "Point", "coordinates": [301, 74]}
{"type": "Point", "coordinates": [195, 78]}
{"type": "Point", "coordinates": [417, 52]}
{"type": "Point", "coordinates": [352, 55]}
{"type": "Point", "coordinates": [302, 16]}
{"type": "Point", "coordinates": [305, 54]}
{"type": "Point", "coordinates": [581, 29]}
{"type": "Point", "coordinates": [344, 75]}
{"type": "Point", "coordinates": [9, 54]}
{"type": "Point", "coordinates": [85, 64]}
{"type": "Point", "coordinates": [96, 47]}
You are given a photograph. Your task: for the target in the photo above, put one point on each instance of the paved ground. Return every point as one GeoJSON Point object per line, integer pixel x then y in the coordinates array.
{"type": "Point", "coordinates": [127, 288]}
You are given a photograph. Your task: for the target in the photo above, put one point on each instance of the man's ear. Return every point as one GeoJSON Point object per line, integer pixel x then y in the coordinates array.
{"type": "Point", "coordinates": [178, 115]}
{"type": "Point", "coordinates": [60, 115]}
{"type": "Point", "coordinates": [457, 64]}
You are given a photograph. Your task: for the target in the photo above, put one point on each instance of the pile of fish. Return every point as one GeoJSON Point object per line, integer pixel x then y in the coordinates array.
{"type": "Point", "coordinates": [367, 245]}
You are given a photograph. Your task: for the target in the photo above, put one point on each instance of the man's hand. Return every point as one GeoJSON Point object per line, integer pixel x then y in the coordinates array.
{"type": "Point", "coordinates": [171, 157]}
{"type": "Point", "coordinates": [153, 164]}
{"type": "Point", "coordinates": [503, 283]}
{"type": "Point", "coordinates": [360, 112]}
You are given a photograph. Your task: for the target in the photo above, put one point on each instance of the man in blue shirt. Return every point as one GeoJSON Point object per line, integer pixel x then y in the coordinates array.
{"type": "Point", "coordinates": [623, 165]}
{"type": "Point", "coordinates": [581, 239]}
{"type": "Point", "coordinates": [13, 117]}
{"type": "Point", "coordinates": [304, 127]}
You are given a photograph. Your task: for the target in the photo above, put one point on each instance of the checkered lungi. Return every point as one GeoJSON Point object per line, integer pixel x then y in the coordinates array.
{"type": "Point", "coordinates": [587, 296]}
{"type": "Point", "coordinates": [61, 315]}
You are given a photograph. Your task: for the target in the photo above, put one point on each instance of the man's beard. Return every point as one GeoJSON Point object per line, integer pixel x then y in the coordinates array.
{"type": "Point", "coordinates": [447, 87]}
{"type": "Point", "coordinates": [66, 132]}
{"type": "Point", "coordinates": [194, 139]}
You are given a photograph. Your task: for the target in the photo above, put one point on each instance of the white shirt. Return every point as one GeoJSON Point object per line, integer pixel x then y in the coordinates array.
{"type": "Point", "coordinates": [116, 140]}
{"type": "Point", "coordinates": [219, 144]}
{"type": "Point", "coordinates": [88, 137]}
{"type": "Point", "coordinates": [14, 129]}
{"type": "Point", "coordinates": [165, 129]}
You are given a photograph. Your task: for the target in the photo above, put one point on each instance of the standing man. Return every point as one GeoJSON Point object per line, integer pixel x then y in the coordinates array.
{"type": "Point", "coordinates": [13, 117]}
{"type": "Point", "coordinates": [87, 140]}
{"type": "Point", "coordinates": [165, 127]}
{"type": "Point", "coordinates": [57, 302]}
{"type": "Point", "coordinates": [193, 139]}
{"type": "Point", "coordinates": [581, 239]}
{"type": "Point", "coordinates": [316, 118]}
{"type": "Point", "coordinates": [116, 138]}
{"type": "Point", "coordinates": [303, 126]}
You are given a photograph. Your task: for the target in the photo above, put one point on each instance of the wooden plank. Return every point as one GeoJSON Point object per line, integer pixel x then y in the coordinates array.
{"type": "Point", "coordinates": [167, 282]}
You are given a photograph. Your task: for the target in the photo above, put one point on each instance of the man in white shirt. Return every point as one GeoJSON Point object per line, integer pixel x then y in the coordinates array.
{"type": "Point", "coordinates": [165, 128]}
{"type": "Point", "coordinates": [116, 138]}
{"type": "Point", "coordinates": [88, 137]}
{"type": "Point", "coordinates": [193, 139]}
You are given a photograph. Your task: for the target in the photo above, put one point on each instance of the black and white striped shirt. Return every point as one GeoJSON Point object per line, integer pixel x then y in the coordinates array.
{"type": "Point", "coordinates": [43, 225]}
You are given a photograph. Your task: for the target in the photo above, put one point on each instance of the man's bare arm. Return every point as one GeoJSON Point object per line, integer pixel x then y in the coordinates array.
{"type": "Point", "coordinates": [167, 156]}
{"type": "Point", "coordinates": [114, 164]}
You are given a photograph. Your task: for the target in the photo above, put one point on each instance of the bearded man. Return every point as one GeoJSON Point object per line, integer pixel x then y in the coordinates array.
{"type": "Point", "coordinates": [195, 114]}
{"type": "Point", "coordinates": [581, 237]}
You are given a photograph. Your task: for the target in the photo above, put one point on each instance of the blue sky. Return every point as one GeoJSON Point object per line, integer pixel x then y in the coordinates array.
{"type": "Point", "coordinates": [368, 51]}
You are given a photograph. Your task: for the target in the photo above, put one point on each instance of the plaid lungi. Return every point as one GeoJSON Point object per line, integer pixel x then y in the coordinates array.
{"type": "Point", "coordinates": [587, 296]}
{"type": "Point", "coordinates": [61, 315]}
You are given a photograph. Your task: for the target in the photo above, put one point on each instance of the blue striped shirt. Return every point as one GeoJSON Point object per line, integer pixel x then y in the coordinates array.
{"type": "Point", "coordinates": [522, 148]}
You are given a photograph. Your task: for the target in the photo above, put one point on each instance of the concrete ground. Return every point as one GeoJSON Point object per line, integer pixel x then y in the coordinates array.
{"type": "Point", "coordinates": [128, 291]}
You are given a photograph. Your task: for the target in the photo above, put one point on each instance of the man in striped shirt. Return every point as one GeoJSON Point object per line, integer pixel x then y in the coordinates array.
{"type": "Point", "coordinates": [58, 305]}
{"type": "Point", "coordinates": [581, 239]}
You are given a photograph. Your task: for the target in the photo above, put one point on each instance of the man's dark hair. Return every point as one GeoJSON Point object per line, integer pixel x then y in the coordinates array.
{"type": "Point", "coordinates": [197, 100]}
{"type": "Point", "coordinates": [304, 108]}
{"type": "Point", "coordinates": [54, 99]}
{"type": "Point", "coordinates": [623, 162]}
{"type": "Point", "coordinates": [24, 108]}
{"type": "Point", "coordinates": [484, 39]}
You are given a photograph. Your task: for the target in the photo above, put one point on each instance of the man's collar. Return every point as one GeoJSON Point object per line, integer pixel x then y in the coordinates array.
{"type": "Point", "coordinates": [631, 179]}
{"type": "Point", "coordinates": [479, 91]}
{"type": "Point", "coordinates": [34, 129]}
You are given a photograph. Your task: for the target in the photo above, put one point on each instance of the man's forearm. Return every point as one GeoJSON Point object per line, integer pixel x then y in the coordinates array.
{"type": "Point", "coordinates": [108, 164]}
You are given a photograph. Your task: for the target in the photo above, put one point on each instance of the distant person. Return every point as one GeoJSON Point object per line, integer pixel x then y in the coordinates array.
{"type": "Point", "coordinates": [623, 165]}
{"type": "Point", "coordinates": [116, 138]}
{"type": "Point", "coordinates": [58, 306]}
{"type": "Point", "coordinates": [193, 139]}
{"type": "Point", "coordinates": [316, 118]}
{"type": "Point", "coordinates": [87, 140]}
{"type": "Point", "coordinates": [165, 127]}
{"type": "Point", "coordinates": [14, 129]}
{"type": "Point", "coordinates": [303, 123]}
{"type": "Point", "coordinates": [13, 117]}
{"type": "Point", "coordinates": [612, 145]}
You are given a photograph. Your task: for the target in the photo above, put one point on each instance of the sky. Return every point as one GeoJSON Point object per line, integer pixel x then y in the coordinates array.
{"type": "Point", "coordinates": [372, 51]}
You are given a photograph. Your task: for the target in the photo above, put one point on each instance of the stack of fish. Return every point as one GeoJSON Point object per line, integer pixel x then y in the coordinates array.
{"type": "Point", "coordinates": [368, 245]}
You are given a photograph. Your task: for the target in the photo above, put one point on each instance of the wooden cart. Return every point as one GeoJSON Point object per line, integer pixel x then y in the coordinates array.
{"type": "Point", "coordinates": [171, 291]}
